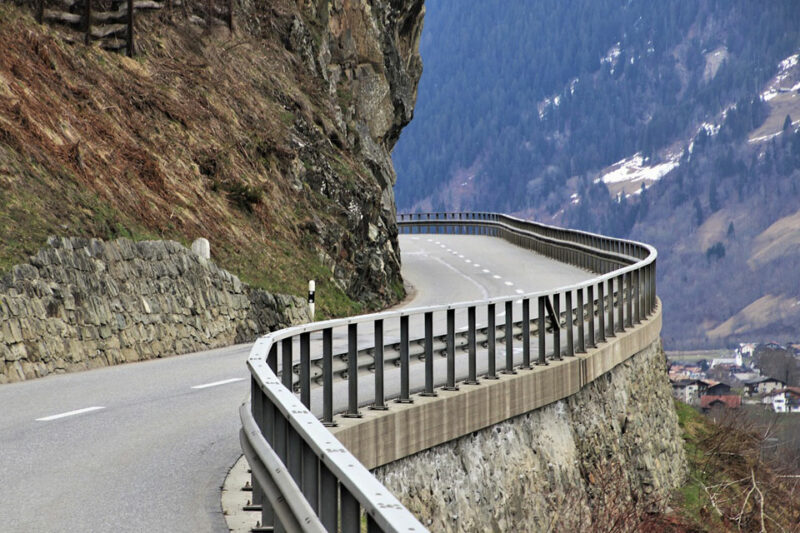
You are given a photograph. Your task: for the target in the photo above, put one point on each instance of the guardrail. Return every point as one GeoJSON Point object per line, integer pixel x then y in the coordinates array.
{"type": "Point", "coordinates": [304, 479]}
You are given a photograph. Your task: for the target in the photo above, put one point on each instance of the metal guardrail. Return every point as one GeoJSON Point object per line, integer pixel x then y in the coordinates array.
{"type": "Point", "coordinates": [305, 480]}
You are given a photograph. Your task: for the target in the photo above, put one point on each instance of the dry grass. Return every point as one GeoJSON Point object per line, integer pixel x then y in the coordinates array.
{"type": "Point", "coordinates": [192, 138]}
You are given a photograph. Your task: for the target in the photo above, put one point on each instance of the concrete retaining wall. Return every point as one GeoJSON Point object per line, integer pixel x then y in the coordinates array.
{"type": "Point", "coordinates": [86, 303]}
{"type": "Point", "coordinates": [563, 447]}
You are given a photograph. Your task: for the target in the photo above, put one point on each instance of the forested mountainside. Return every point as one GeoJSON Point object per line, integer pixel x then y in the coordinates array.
{"type": "Point", "coordinates": [672, 122]}
{"type": "Point", "coordinates": [271, 140]}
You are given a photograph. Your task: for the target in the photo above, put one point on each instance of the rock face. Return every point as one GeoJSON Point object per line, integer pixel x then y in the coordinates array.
{"type": "Point", "coordinates": [85, 303]}
{"type": "Point", "coordinates": [366, 55]}
{"type": "Point", "coordinates": [611, 452]}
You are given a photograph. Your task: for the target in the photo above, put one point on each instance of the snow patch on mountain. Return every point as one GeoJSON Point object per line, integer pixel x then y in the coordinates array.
{"type": "Point", "coordinates": [635, 169]}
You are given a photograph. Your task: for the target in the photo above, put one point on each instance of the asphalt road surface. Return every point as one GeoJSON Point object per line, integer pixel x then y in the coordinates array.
{"type": "Point", "coordinates": [146, 446]}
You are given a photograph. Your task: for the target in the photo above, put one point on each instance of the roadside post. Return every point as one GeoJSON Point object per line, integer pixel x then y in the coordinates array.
{"type": "Point", "coordinates": [311, 289]}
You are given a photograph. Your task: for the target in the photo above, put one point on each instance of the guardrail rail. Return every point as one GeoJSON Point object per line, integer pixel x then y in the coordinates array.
{"type": "Point", "coordinates": [304, 479]}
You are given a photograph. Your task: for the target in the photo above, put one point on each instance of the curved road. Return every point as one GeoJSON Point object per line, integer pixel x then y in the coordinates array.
{"type": "Point", "coordinates": [146, 446]}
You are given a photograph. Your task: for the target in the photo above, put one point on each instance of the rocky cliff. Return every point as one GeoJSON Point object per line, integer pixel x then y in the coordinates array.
{"type": "Point", "coordinates": [604, 459]}
{"type": "Point", "coordinates": [85, 303]}
{"type": "Point", "coordinates": [272, 140]}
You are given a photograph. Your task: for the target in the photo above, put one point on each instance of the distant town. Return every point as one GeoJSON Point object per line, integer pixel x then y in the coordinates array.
{"type": "Point", "coordinates": [765, 374]}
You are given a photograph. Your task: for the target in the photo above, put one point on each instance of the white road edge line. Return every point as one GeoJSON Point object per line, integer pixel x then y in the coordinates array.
{"type": "Point", "coordinates": [69, 413]}
{"type": "Point", "coordinates": [217, 383]}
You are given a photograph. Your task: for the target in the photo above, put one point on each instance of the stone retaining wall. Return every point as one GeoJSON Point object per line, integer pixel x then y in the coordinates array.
{"type": "Point", "coordinates": [612, 451]}
{"type": "Point", "coordinates": [86, 303]}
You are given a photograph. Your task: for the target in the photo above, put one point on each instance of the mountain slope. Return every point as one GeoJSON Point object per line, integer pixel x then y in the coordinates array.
{"type": "Point", "coordinates": [264, 140]}
{"type": "Point", "coordinates": [568, 111]}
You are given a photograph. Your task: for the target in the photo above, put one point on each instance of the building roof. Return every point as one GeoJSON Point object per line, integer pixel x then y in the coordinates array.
{"type": "Point", "coordinates": [762, 379]}
{"type": "Point", "coordinates": [731, 401]}
{"type": "Point", "coordinates": [683, 382]}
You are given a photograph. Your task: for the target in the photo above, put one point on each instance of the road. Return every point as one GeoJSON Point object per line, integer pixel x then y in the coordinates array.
{"type": "Point", "coordinates": [146, 446]}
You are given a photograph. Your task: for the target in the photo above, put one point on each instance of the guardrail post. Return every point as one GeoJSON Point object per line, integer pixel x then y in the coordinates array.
{"type": "Point", "coordinates": [351, 514]}
{"type": "Point", "coordinates": [557, 331]}
{"type": "Point", "coordinates": [509, 338]}
{"type": "Point", "coordinates": [637, 308]}
{"type": "Point", "coordinates": [451, 350]}
{"type": "Point", "coordinates": [541, 332]}
{"type": "Point", "coordinates": [305, 369]}
{"type": "Point", "coordinates": [581, 348]}
{"type": "Point", "coordinates": [310, 483]}
{"type": "Point", "coordinates": [526, 333]}
{"type": "Point", "coordinates": [404, 362]}
{"type": "Point", "coordinates": [352, 372]}
{"type": "Point", "coordinates": [257, 408]}
{"type": "Point", "coordinates": [472, 378]}
{"type": "Point", "coordinates": [327, 377]}
{"type": "Point", "coordinates": [590, 298]}
{"type": "Point", "coordinates": [629, 300]}
{"type": "Point", "coordinates": [621, 302]}
{"type": "Point", "coordinates": [286, 363]}
{"type": "Point", "coordinates": [380, 402]}
{"type": "Point", "coordinates": [329, 506]}
{"type": "Point", "coordinates": [601, 313]}
{"type": "Point", "coordinates": [570, 326]}
{"type": "Point", "coordinates": [611, 332]}
{"type": "Point", "coordinates": [491, 342]}
{"type": "Point", "coordinates": [428, 356]}
{"type": "Point", "coordinates": [294, 449]}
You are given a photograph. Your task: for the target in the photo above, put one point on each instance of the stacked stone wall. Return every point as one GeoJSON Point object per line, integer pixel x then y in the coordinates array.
{"type": "Point", "coordinates": [86, 303]}
{"type": "Point", "coordinates": [602, 459]}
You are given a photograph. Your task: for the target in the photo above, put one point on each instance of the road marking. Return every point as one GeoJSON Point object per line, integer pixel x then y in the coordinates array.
{"type": "Point", "coordinates": [463, 328]}
{"type": "Point", "coordinates": [217, 383]}
{"type": "Point", "coordinates": [430, 240]}
{"type": "Point", "coordinates": [509, 283]}
{"type": "Point", "coordinates": [477, 265]}
{"type": "Point", "coordinates": [468, 260]}
{"type": "Point", "coordinates": [69, 413]}
{"type": "Point", "coordinates": [520, 291]}
{"type": "Point", "coordinates": [486, 270]}
{"type": "Point", "coordinates": [460, 256]}
{"type": "Point", "coordinates": [497, 277]}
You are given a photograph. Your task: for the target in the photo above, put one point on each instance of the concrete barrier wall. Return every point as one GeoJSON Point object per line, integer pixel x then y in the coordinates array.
{"type": "Point", "coordinates": [381, 437]}
{"type": "Point", "coordinates": [587, 443]}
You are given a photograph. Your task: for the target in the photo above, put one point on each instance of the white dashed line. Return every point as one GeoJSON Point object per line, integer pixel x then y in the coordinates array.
{"type": "Point", "coordinates": [486, 270]}
{"type": "Point", "coordinates": [520, 291]}
{"type": "Point", "coordinates": [497, 277]}
{"type": "Point", "coordinates": [510, 284]}
{"type": "Point", "coordinates": [69, 413]}
{"type": "Point", "coordinates": [217, 383]}
{"type": "Point", "coordinates": [468, 260]}
{"type": "Point", "coordinates": [430, 240]}
{"type": "Point", "coordinates": [477, 265]}
{"type": "Point", "coordinates": [460, 256]}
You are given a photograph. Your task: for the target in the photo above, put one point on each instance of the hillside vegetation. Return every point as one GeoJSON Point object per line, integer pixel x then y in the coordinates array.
{"type": "Point", "coordinates": [567, 111]}
{"type": "Point", "coordinates": [236, 137]}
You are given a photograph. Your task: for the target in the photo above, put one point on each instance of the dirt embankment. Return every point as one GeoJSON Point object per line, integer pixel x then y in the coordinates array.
{"type": "Point", "coordinates": [239, 137]}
